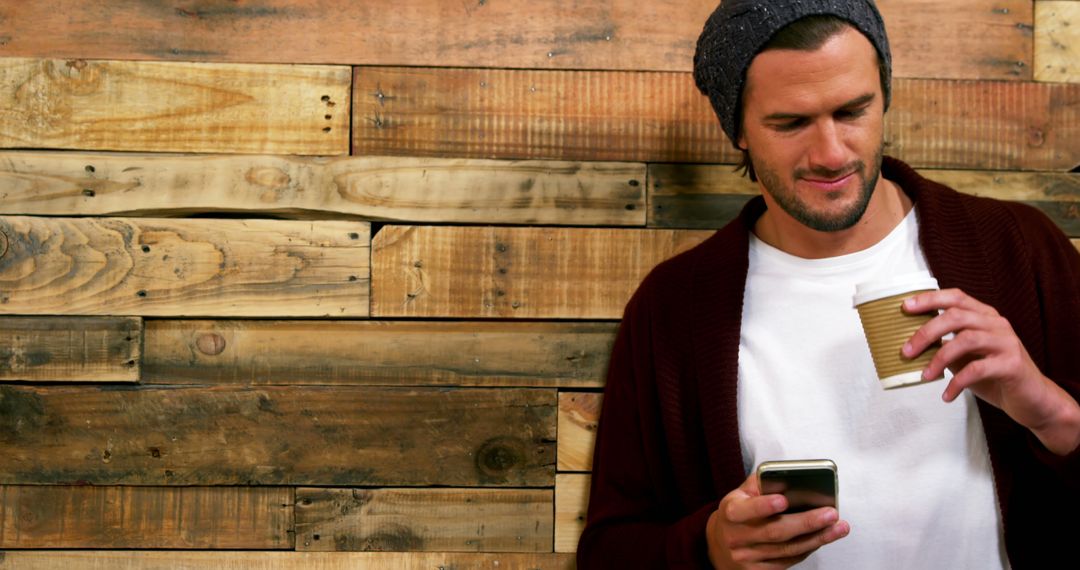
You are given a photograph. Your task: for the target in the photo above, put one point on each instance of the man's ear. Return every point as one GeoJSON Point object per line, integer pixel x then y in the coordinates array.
{"type": "Point", "coordinates": [741, 143]}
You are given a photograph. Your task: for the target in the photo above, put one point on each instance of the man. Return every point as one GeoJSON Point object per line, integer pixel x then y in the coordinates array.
{"type": "Point", "coordinates": [747, 348]}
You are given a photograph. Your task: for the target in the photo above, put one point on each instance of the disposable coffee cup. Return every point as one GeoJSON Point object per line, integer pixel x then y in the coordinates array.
{"type": "Point", "coordinates": [887, 327]}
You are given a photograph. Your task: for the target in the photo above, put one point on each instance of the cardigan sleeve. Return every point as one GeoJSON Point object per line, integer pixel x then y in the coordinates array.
{"type": "Point", "coordinates": [633, 521]}
{"type": "Point", "coordinates": [1056, 269]}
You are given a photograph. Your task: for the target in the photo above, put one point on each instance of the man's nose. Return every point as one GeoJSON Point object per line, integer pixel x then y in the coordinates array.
{"type": "Point", "coordinates": [828, 151]}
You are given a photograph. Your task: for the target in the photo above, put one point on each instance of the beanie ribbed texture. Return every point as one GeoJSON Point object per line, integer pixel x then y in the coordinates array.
{"type": "Point", "coordinates": [738, 29]}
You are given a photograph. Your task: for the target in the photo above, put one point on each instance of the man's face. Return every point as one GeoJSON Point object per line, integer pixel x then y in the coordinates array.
{"type": "Point", "coordinates": [813, 124]}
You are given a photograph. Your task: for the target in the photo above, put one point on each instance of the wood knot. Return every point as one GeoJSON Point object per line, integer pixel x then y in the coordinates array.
{"type": "Point", "coordinates": [210, 344]}
{"type": "Point", "coordinates": [498, 455]}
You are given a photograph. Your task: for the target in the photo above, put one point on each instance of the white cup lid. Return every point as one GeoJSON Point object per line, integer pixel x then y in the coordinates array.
{"type": "Point", "coordinates": [873, 290]}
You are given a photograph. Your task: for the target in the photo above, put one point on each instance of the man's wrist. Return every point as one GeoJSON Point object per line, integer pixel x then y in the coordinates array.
{"type": "Point", "coordinates": [1060, 433]}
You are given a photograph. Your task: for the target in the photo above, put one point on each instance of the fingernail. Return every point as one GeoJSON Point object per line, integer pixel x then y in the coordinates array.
{"type": "Point", "coordinates": [778, 503]}
{"type": "Point", "coordinates": [909, 303]}
{"type": "Point", "coordinates": [829, 516]}
{"type": "Point", "coordinates": [906, 349]}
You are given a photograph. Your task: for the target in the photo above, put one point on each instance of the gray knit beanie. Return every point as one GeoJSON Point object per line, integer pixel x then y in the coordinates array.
{"type": "Point", "coordinates": [738, 29]}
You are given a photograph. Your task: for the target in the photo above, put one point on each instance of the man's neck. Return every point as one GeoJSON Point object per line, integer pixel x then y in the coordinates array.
{"type": "Point", "coordinates": [887, 208]}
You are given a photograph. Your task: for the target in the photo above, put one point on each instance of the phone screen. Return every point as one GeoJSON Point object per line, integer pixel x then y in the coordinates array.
{"type": "Point", "coordinates": [804, 488]}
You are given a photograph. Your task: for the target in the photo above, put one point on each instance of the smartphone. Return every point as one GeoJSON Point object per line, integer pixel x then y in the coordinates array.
{"type": "Point", "coordinates": [807, 483]}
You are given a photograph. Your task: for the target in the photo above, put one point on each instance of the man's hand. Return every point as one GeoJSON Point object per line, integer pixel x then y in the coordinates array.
{"type": "Point", "coordinates": [986, 357]}
{"type": "Point", "coordinates": [748, 531]}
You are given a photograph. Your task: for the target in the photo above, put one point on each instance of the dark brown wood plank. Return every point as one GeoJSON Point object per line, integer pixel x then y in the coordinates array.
{"type": "Point", "coordinates": [51, 516]}
{"type": "Point", "coordinates": [474, 272]}
{"type": "Point", "coordinates": [337, 436]}
{"type": "Point", "coordinates": [368, 352]}
{"type": "Point", "coordinates": [70, 349]}
{"type": "Point", "coordinates": [234, 560]}
{"type": "Point", "coordinates": [200, 267]}
{"type": "Point", "coordinates": [983, 40]}
{"type": "Point", "coordinates": [661, 117]}
{"type": "Point", "coordinates": [375, 188]}
{"type": "Point", "coordinates": [173, 107]}
{"type": "Point", "coordinates": [436, 520]}
{"type": "Point", "coordinates": [700, 196]}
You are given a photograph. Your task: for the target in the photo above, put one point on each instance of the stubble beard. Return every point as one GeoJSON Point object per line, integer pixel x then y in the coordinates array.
{"type": "Point", "coordinates": [798, 209]}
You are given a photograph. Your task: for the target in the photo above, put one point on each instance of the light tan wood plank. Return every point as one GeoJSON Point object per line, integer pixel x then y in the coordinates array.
{"type": "Point", "coordinates": [338, 436]}
{"type": "Point", "coordinates": [702, 196]}
{"type": "Point", "coordinates": [200, 267]}
{"type": "Point", "coordinates": [1057, 41]}
{"type": "Point", "coordinates": [49, 516]}
{"type": "Point", "coordinates": [579, 414]}
{"type": "Point", "coordinates": [377, 352]}
{"type": "Point", "coordinates": [440, 520]}
{"type": "Point", "coordinates": [1076, 242]}
{"type": "Point", "coordinates": [233, 560]}
{"type": "Point", "coordinates": [375, 188]}
{"type": "Point", "coordinates": [65, 349]}
{"type": "Point", "coordinates": [571, 506]}
{"type": "Point", "coordinates": [171, 106]}
{"type": "Point", "coordinates": [983, 40]}
{"type": "Point", "coordinates": [486, 272]}
{"type": "Point", "coordinates": [661, 117]}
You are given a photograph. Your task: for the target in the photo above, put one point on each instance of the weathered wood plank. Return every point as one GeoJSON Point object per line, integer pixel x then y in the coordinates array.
{"type": "Point", "coordinates": [437, 520]}
{"type": "Point", "coordinates": [49, 516]}
{"type": "Point", "coordinates": [579, 414]}
{"type": "Point", "coordinates": [375, 188]}
{"type": "Point", "coordinates": [983, 40]}
{"type": "Point", "coordinates": [377, 352]}
{"type": "Point", "coordinates": [203, 267]}
{"type": "Point", "coordinates": [571, 505]}
{"type": "Point", "coordinates": [704, 196]}
{"type": "Point", "coordinates": [985, 125]}
{"type": "Point", "coordinates": [171, 106]}
{"type": "Point", "coordinates": [1057, 41]}
{"type": "Point", "coordinates": [661, 117]}
{"type": "Point", "coordinates": [65, 349]}
{"type": "Point", "coordinates": [482, 272]}
{"type": "Point", "coordinates": [488, 113]}
{"type": "Point", "coordinates": [233, 560]}
{"type": "Point", "coordinates": [338, 436]}
{"type": "Point", "coordinates": [1076, 242]}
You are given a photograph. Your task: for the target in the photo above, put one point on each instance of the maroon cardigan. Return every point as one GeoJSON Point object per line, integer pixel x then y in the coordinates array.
{"type": "Point", "coordinates": [668, 448]}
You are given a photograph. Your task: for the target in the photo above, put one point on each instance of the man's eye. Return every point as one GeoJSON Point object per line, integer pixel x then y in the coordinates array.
{"type": "Point", "coordinates": [791, 125]}
{"type": "Point", "coordinates": [851, 113]}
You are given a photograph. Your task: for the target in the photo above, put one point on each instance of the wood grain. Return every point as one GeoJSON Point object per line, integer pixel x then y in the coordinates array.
{"type": "Point", "coordinates": [191, 560]}
{"type": "Point", "coordinates": [373, 188]}
{"type": "Point", "coordinates": [171, 106]}
{"type": "Point", "coordinates": [444, 520]}
{"type": "Point", "coordinates": [534, 114]}
{"type": "Point", "coordinates": [66, 349]}
{"type": "Point", "coordinates": [377, 352]}
{"type": "Point", "coordinates": [1057, 41]}
{"type": "Point", "coordinates": [201, 267]}
{"type": "Point", "coordinates": [703, 196]}
{"type": "Point", "coordinates": [661, 117]}
{"type": "Point", "coordinates": [45, 516]}
{"type": "Point", "coordinates": [579, 414]}
{"type": "Point", "coordinates": [982, 40]}
{"type": "Point", "coordinates": [571, 506]}
{"type": "Point", "coordinates": [337, 436]}
{"type": "Point", "coordinates": [489, 272]}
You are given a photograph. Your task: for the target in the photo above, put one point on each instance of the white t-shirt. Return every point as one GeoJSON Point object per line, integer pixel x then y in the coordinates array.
{"type": "Point", "coordinates": [915, 479]}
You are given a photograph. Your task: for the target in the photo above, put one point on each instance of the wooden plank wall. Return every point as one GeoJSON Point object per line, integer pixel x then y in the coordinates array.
{"type": "Point", "coordinates": [339, 280]}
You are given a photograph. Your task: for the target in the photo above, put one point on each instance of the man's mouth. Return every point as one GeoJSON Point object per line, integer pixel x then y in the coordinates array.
{"type": "Point", "coordinates": [828, 184]}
